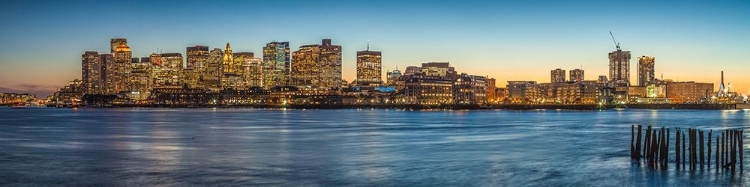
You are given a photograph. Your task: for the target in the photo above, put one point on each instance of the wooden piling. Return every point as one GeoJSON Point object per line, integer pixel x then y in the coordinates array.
{"type": "Point", "coordinates": [708, 155]}
{"type": "Point", "coordinates": [717, 153]}
{"type": "Point", "coordinates": [647, 143]}
{"type": "Point", "coordinates": [632, 140]}
{"type": "Point", "coordinates": [638, 143]}
{"type": "Point", "coordinates": [666, 150]}
{"type": "Point", "coordinates": [700, 144]}
{"type": "Point", "coordinates": [734, 151]}
{"type": "Point", "coordinates": [742, 152]}
{"type": "Point", "coordinates": [677, 148]}
{"type": "Point", "coordinates": [683, 151]}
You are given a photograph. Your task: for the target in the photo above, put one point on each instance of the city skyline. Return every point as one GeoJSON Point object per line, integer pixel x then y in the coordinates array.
{"type": "Point", "coordinates": [694, 43]}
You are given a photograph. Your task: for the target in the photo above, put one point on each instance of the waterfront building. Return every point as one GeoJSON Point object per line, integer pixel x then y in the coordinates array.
{"type": "Point", "coordinates": [91, 68]}
{"type": "Point", "coordinates": [427, 91]}
{"type": "Point", "coordinates": [369, 70]}
{"type": "Point", "coordinates": [576, 75]}
{"type": "Point", "coordinates": [619, 67]}
{"type": "Point", "coordinates": [317, 65]}
{"type": "Point", "coordinates": [241, 62]}
{"type": "Point", "coordinates": [491, 90]}
{"type": "Point", "coordinates": [522, 92]}
{"type": "Point", "coordinates": [391, 77]}
{"type": "Point", "coordinates": [646, 72]}
{"type": "Point", "coordinates": [196, 57]}
{"type": "Point", "coordinates": [167, 72]}
{"type": "Point", "coordinates": [501, 94]}
{"type": "Point", "coordinates": [557, 75]}
{"type": "Point", "coordinates": [191, 78]}
{"type": "Point", "coordinates": [689, 92]}
{"type": "Point", "coordinates": [183, 97]}
{"type": "Point", "coordinates": [470, 90]}
{"type": "Point", "coordinates": [276, 64]}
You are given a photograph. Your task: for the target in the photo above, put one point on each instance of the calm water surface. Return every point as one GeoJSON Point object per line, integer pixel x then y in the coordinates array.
{"type": "Point", "coordinates": [255, 147]}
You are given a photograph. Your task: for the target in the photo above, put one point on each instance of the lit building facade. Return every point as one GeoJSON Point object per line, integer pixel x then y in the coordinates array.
{"type": "Point", "coordinates": [276, 64]}
{"type": "Point", "coordinates": [619, 67]}
{"type": "Point", "coordinates": [470, 90]}
{"type": "Point", "coordinates": [427, 91]}
{"type": "Point", "coordinates": [438, 69]}
{"type": "Point", "coordinates": [576, 75]}
{"type": "Point", "coordinates": [557, 75]}
{"type": "Point", "coordinates": [689, 92]}
{"type": "Point", "coordinates": [228, 62]}
{"type": "Point", "coordinates": [520, 92]}
{"type": "Point", "coordinates": [646, 72]}
{"type": "Point", "coordinates": [140, 80]}
{"type": "Point", "coordinates": [369, 68]}
{"type": "Point", "coordinates": [252, 71]}
{"type": "Point", "coordinates": [196, 57]}
{"type": "Point", "coordinates": [491, 90]}
{"type": "Point", "coordinates": [169, 73]}
{"type": "Point", "coordinates": [122, 58]}
{"type": "Point", "coordinates": [317, 65]}
{"type": "Point", "coordinates": [91, 68]}
{"type": "Point", "coordinates": [108, 73]}
{"type": "Point", "coordinates": [211, 74]}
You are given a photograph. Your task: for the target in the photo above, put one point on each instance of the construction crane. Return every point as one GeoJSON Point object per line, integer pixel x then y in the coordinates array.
{"type": "Point", "coordinates": [613, 39]}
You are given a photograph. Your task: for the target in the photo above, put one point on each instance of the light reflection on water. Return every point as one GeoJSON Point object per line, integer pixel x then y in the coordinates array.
{"type": "Point", "coordinates": [183, 147]}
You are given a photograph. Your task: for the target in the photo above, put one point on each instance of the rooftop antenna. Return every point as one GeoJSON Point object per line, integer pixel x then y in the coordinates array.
{"type": "Point", "coordinates": [613, 39]}
{"type": "Point", "coordinates": [368, 45]}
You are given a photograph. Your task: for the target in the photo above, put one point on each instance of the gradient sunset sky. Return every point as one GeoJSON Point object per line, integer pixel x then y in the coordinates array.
{"type": "Point", "coordinates": [41, 42]}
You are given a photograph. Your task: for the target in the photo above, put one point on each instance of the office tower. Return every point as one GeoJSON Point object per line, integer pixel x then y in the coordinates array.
{"type": "Point", "coordinates": [108, 73]}
{"type": "Point", "coordinates": [122, 58]}
{"type": "Point", "coordinates": [317, 65]}
{"type": "Point", "coordinates": [646, 71]}
{"type": "Point", "coordinates": [252, 72]}
{"type": "Point", "coordinates": [196, 57]}
{"type": "Point", "coordinates": [115, 42]}
{"type": "Point", "coordinates": [212, 72]}
{"type": "Point", "coordinates": [369, 70]}
{"type": "Point", "coordinates": [576, 75]}
{"type": "Point", "coordinates": [557, 75]}
{"type": "Point", "coordinates": [91, 68]}
{"type": "Point", "coordinates": [241, 61]}
{"type": "Point", "coordinates": [276, 64]}
{"type": "Point", "coordinates": [228, 62]}
{"type": "Point", "coordinates": [411, 70]}
{"type": "Point", "coordinates": [330, 64]}
{"type": "Point", "coordinates": [140, 78]}
{"type": "Point", "coordinates": [171, 61]}
{"type": "Point", "coordinates": [619, 67]}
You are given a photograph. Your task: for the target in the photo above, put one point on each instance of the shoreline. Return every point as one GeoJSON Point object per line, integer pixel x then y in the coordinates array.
{"type": "Point", "coordinates": [446, 107]}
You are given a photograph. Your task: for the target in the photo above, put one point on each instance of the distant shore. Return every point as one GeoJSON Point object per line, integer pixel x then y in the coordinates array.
{"type": "Point", "coordinates": [452, 107]}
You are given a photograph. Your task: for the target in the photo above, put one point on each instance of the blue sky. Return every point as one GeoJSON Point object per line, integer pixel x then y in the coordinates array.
{"type": "Point", "coordinates": [41, 41]}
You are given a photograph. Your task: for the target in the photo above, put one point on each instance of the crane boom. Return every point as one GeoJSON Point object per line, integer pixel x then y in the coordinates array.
{"type": "Point", "coordinates": [615, 41]}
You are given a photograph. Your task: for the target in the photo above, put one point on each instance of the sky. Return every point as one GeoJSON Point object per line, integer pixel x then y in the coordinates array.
{"type": "Point", "coordinates": [41, 42]}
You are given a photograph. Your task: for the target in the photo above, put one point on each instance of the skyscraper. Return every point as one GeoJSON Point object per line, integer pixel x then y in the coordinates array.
{"type": "Point", "coordinates": [241, 62]}
{"type": "Point", "coordinates": [619, 67]}
{"type": "Point", "coordinates": [330, 61]}
{"type": "Point", "coordinates": [228, 62]}
{"type": "Point", "coordinates": [108, 73]}
{"type": "Point", "coordinates": [196, 57]}
{"type": "Point", "coordinates": [317, 65]}
{"type": "Point", "coordinates": [646, 73]}
{"type": "Point", "coordinates": [212, 72]}
{"type": "Point", "coordinates": [369, 70]}
{"type": "Point", "coordinates": [576, 75]}
{"type": "Point", "coordinates": [91, 68]}
{"type": "Point", "coordinates": [276, 64]}
{"type": "Point", "coordinates": [115, 42]}
{"type": "Point", "coordinates": [122, 57]}
{"type": "Point", "coordinates": [557, 75]}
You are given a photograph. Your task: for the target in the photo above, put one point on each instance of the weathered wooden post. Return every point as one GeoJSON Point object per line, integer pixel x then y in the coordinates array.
{"type": "Point", "coordinates": [666, 150]}
{"type": "Point", "coordinates": [708, 155]}
{"type": "Point", "coordinates": [647, 143]}
{"type": "Point", "coordinates": [701, 148]}
{"type": "Point", "coordinates": [677, 148]}
{"type": "Point", "coordinates": [683, 151]}
{"type": "Point", "coordinates": [734, 150]}
{"type": "Point", "coordinates": [638, 143]}
{"type": "Point", "coordinates": [632, 139]}
{"type": "Point", "coordinates": [717, 153]}
{"type": "Point", "coordinates": [742, 152]}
